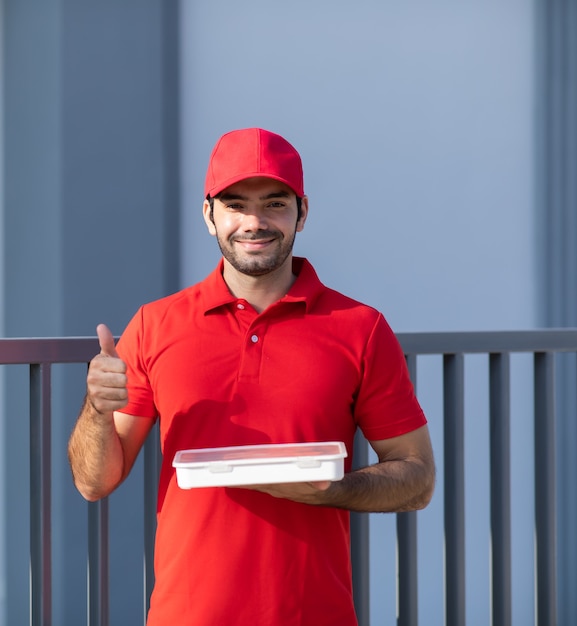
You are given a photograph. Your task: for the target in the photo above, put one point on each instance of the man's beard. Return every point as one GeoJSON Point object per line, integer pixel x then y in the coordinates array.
{"type": "Point", "coordinates": [258, 263]}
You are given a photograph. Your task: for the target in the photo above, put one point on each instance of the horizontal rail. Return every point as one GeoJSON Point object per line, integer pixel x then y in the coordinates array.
{"type": "Point", "coordinates": [14, 351]}
{"type": "Point", "coordinates": [48, 350]}
{"type": "Point", "coordinates": [543, 340]}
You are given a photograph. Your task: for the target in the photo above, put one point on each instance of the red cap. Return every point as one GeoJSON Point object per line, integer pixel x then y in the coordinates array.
{"type": "Point", "coordinates": [253, 152]}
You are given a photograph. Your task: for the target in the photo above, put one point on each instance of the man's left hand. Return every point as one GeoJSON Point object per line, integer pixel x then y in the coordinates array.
{"type": "Point", "coordinates": [307, 493]}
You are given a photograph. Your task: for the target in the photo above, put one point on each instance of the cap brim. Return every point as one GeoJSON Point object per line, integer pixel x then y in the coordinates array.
{"type": "Point", "coordinates": [214, 191]}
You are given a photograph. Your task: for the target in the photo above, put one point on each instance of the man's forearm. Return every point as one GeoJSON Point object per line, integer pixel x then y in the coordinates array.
{"type": "Point", "coordinates": [95, 453]}
{"type": "Point", "coordinates": [387, 487]}
{"type": "Point", "coordinates": [391, 486]}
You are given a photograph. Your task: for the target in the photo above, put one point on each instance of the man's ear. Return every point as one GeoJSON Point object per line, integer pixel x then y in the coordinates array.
{"type": "Point", "coordinates": [207, 214]}
{"type": "Point", "coordinates": [304, 213]}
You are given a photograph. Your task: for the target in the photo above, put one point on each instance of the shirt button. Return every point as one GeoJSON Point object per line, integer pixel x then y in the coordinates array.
{"type": "Point", "coordinates": [240, 306]}
{"type": "Point", "coordinates": [254, 338]}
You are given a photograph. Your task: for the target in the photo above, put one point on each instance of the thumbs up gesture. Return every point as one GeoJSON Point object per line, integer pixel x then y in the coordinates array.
{"type": "Point", "coordinates": [106, 380]}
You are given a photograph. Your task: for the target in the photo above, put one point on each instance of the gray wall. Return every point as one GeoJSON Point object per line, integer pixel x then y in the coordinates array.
{"type": "Point", "coordinates": [415, 122]}
{"type": "Point", "coordinates": [89, 212]}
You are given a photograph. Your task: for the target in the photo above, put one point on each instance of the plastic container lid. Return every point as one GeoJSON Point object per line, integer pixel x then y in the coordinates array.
{"type": "Point", "coordinates": [260, 464]}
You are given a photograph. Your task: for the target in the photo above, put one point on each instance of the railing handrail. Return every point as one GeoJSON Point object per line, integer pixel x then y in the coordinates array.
{"type": "Point", "coordinates": [470, 342]}
{"type": "Point", "coordinates": [27, 350]}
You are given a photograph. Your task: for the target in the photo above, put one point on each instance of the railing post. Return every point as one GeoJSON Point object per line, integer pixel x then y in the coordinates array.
{"type": "Point", "coordinates": [499, 417]}
{"type": "Point", "coordinates": [152, 461]}
{"type": "Point", "coordinates": [408, 593]}
{"type": "Point", "coordinates": [545, 489]}
{"type": "Point", "coordinates": [454, 483]}
{"type": "Point", "coordinates": [360, 543]}
{"type": "Point", "coordinates": [40, 496]}
{"type": "Point", "coordinates": [98, 564]}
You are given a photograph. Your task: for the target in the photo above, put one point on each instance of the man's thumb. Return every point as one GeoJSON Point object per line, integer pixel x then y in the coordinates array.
{"type": "Point", "coordinates": [106, 341]}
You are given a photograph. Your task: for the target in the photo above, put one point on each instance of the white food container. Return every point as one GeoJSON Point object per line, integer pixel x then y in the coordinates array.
{"type": "Point", "coordinates": [260, 464]}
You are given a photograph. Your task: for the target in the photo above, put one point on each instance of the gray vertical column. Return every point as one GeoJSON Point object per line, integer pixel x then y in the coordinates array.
{"type": "Point", "coordinates": [556, 91]}
{"type": "Point", "coordinates": [90, 213]}
{"type": "Point", "coordinates": [31, 214]}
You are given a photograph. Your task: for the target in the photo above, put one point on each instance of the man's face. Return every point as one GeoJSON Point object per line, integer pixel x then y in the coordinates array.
{"type": "Point", "coordinates": [255, 222]}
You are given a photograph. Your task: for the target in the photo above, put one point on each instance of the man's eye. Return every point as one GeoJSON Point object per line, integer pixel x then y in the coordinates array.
{"type": "Point", "coordinates": [277, 205]}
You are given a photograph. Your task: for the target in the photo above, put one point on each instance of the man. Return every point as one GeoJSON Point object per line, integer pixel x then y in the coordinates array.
{"type": "Point", "coordinates": [259, 352]}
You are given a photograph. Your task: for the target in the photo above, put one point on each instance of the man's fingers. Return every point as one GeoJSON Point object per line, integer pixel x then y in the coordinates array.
{"type": "Point", "coordinates": [321, 485]}
{"type": "Point", "coordinates": [106, 378]}
{"type": "Point", "coordinates": [106, 341]}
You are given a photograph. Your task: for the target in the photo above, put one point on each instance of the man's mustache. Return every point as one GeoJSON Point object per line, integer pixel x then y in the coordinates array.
{"type": "Point", "coordinates": [262, 234]}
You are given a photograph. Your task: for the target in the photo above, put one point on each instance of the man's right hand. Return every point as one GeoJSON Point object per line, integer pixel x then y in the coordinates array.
{"type": "Point", "coordinates": [106, 380]}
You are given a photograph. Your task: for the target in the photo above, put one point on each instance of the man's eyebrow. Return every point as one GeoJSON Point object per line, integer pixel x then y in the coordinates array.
{"type": "Point", "coordinates": [227, 197]}
{"type": "Point", "coordinates": [276, 194]}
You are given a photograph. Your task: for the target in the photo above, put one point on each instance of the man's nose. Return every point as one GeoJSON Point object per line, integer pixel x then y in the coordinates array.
{"type": "Point", "coordinates": [254, 220]}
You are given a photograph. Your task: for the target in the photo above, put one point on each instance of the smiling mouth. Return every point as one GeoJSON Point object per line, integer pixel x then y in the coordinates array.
{"type": "Point", "coordinates": [253, 243]}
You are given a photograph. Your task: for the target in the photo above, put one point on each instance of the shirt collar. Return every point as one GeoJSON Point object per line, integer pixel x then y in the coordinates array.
{"type": "Point", "coordinates": [306, 287]}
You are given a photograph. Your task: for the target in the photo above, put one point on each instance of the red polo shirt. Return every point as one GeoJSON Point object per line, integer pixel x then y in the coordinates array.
{"type": "Point", "coordinates": [311, 367]}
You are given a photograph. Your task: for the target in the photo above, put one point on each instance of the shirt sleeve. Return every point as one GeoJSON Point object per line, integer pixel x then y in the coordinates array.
{"type": "Point", "coordinates": [130, 348]}
{"type": "Point", "coordinates": [386, 404]}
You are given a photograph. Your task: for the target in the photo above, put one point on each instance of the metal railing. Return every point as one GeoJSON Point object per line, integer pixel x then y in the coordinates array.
{"type": "Point", "coordinates": [42, 354]}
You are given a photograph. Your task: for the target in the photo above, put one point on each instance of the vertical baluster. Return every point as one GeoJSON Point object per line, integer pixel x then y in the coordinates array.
{"type": "Point", "coordinates": [407, 549]}
{"type": "Point", "coordinates": [454, 484]}
{"type": "Point", "coordinates": [98, 564]}
{"type": "Point", "coordinates": [408, 595]}
{"type": "Point", "coordinates": [545, 486]}
{"type": "Point", "coordinates": [499, 409]}
{"type": "Point", "coordinates": [152, 461]}
{"type": "Point", "coordinates": [360, 543]}
{"type": "Point", "coordinates": [40, 496]}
